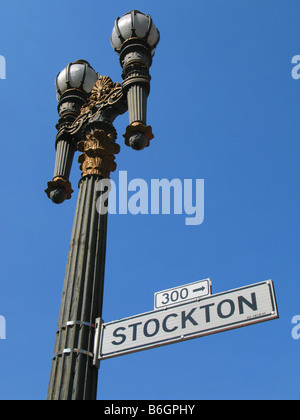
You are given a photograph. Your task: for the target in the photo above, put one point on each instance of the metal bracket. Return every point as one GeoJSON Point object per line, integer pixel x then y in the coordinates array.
{"type": "Point", "coordinates": [96, 326]}
{"type": "Point", "coordinates": [68, 351]}
{"type": "Point", "coordinates": [71, 323]}
{"type": "Point", "coordinates": [97, 340]}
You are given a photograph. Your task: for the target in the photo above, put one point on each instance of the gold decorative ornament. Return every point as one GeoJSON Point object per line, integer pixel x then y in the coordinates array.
{"type": "Point", "coordinates": [104, 92]}
{"type": "Point", "coordinates": [59, 182]}
{"type": "Point", "coordinates": [136, 127]}
{"type": "Point", "coordinates": [98, 157]}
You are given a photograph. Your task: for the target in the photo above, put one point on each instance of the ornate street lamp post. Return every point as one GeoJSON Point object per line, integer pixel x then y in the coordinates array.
{"type": "Point", "coordinates": [87, 106]}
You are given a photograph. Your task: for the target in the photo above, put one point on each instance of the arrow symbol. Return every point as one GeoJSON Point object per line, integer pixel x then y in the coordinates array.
{"type": "Point", "coordinates": [200, 289]}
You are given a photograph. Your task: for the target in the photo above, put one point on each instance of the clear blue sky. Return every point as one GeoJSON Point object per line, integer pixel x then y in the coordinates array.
{"type": "Point", "coordinates": [223, 108]}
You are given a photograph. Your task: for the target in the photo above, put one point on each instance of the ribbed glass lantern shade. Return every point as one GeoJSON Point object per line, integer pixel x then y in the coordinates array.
{"type": "Point", "coordinates": [78, 75]}
{"type": "Point", "coordinates": [134, 24]}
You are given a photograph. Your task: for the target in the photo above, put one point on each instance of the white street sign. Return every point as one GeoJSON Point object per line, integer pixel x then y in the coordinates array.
{"type": "Point", "coordinates": [171, 297]}
{"type": "Point", "coordinates": [212, 314]}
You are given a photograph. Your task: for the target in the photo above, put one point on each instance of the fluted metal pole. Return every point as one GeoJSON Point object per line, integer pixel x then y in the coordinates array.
{"type": "Point", "coordinates": [137, 100]}
{"type": "Point", "coordinates": [73, 376]}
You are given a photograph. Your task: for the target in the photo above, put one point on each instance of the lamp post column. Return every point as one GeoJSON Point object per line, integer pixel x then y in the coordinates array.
{"type": "Point", "coordinates": [88, 105]}
{"type": "Point", "coordinates": [73, 376]}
